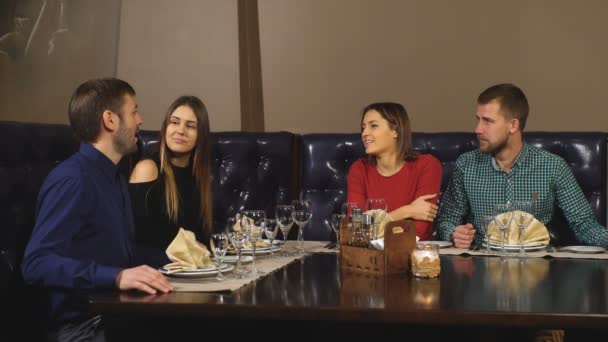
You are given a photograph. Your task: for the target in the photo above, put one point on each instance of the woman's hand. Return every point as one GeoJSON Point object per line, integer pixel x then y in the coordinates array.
{"type": "Point", "coordinates": [422, 210]}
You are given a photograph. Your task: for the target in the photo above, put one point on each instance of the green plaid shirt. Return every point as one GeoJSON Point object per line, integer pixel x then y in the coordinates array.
{"type": "Point", "coordinates": [478, 184]}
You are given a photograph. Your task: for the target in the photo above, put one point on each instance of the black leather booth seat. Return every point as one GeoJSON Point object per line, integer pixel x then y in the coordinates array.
{"type": "Point", "coordinates": [29, 152]}
{"type": "Point", "coordinates": [326, 159]}
{"type": "Point", "coordinates": [249, 170]}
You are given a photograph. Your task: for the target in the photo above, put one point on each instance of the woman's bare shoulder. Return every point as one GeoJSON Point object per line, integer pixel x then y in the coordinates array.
{"type": "Point", "coordinates": [144, 171]}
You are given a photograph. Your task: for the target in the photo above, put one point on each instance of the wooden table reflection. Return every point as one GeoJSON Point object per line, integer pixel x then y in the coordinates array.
{"type": "Point", "coordinates": [471, 291]}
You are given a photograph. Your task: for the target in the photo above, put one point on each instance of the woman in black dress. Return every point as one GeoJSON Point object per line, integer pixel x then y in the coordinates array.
{"type": "Point", "coordinates": [172, 190]}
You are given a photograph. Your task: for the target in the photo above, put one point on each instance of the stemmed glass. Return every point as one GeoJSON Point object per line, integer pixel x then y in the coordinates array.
{"type": "Point", "coordinates": [485, 226]}
{"type": "Point", "coordinates": [334, 222]}
{"type": "Point", "coordinates": [270, 229]}
{"type": "Point", "coordinates": [220, 246]}
{"type": "Point", "coordinates": [238, 238]}
{"type": "Point", "coordinates": [285, 221]}
{"type": "Point", "coordinates": [252, 221]}
{"type": "Point", "coordinates": [376, 204]}
{"type": "Point", "coordinates": [553, 238]}
{"type": "Point", "coordinates": [523, 217]}
{"type": "Point", "coordinates": [302, 213]}
{"type": "Point", "coordinates": [503, 217]}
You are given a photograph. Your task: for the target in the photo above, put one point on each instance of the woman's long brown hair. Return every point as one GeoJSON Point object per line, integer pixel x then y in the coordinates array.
{"type": "Point", "coordinates": [201, 163]}
{"type": "Point", "coordinates": [397, 118]}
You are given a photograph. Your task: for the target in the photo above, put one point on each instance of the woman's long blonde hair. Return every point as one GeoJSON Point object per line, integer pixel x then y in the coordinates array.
{"type": "Point", "coordinates": [201, 163]}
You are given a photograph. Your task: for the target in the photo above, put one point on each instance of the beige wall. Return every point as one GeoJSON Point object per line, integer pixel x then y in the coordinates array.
{"type": "Point", "coordinates": [324, 60]}
{"type": "Point", "coordinates": [169, 48]}
{"type": "Point", "coordinates": [50, 52]}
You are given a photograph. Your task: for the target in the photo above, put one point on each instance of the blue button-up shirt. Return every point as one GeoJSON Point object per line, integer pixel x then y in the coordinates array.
{"type": "Point", "coordinates": [83, 233]}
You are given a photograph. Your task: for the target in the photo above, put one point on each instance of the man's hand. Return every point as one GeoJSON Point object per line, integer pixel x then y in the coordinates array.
{"type": "Point", "coordinates": [143, 278]}
{"type": "Point", "coordinates": [463, 236]}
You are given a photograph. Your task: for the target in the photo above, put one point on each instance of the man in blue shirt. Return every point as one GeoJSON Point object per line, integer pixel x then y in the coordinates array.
{"type": "Point", "coordinates": [82, 239]}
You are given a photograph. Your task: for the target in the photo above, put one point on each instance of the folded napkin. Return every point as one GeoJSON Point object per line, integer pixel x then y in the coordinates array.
{"type": "Point", "coordinates": [237, 228]}
{"type": "Point", "coordinates": [377, 215]}
{"type": "Point", "coordinates": [535, 233]}
{"type": "Point", "coordinates": [381, 216]}
{"type": "Point", "coordinates": [187, 253]}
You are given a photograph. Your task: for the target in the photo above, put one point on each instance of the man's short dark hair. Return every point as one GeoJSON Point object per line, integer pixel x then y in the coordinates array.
{"type": "Point", "coordinates": [513, 101]}
{"type": "Point", "coordinates": [90, 100]}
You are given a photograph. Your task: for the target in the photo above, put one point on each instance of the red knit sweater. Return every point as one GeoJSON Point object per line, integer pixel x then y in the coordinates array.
{"type": "Point", "coordinates": [416, 178]}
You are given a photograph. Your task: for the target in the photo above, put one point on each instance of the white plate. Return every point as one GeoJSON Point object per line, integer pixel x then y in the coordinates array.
{"type": "Point", "coordinates": [261, 251]}
{"type": "Point", "coordinates": [531, 245]}
{"type": "Point", "coordinates": [516, 248]}
{"type": "Point", "coordinates": [198, 273]}
{"type": "Point", "coordinates": [583, 249]}
{"type": "Point", "coordinates": [257, 249]}
{"type": "Point", "coordinates": [232, 250]}
{"type": "Point", "coordinates": [275, 242]}
{"type": "Point", "coordinates": [441, 244]}
{"type": "Point", "coordinates": [231, 259]}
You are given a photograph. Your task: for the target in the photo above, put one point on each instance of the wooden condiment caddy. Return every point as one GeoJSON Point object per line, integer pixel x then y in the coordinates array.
{"type": "Point", "coordinates": [399, 242]}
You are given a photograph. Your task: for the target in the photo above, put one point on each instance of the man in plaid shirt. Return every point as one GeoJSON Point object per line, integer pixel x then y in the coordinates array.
{"type": "Point", "coordinates": [506, 169]}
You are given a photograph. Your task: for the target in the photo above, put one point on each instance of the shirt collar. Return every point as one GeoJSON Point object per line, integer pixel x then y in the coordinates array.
{"type": "Point", "coordinates": [521, 158]}
{"type": "Point", "coordinates": [100, 160]}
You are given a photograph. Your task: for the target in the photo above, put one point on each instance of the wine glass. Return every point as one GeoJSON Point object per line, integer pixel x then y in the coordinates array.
{"type": "Point", "coordinates": [302, 213]}
{"type": "Point", "coordinates": [285, 221]}
{"type": "Point", "coordinates": [334, 222]}
{"type": "Point", "coordinates": [485, 227]}
{"type": "Point", "coordinates": [238, 238]}
{"type": "Point", "coordinates": [220, 246]}
{"type": "Point", "coordinates": [523, 216]}
{"type": "Point", "coordinates": [503, 217]}
{"type": "Point", "coordinates": [270, 229]}
{"type": "Point", "coordinates": [378, 204]}
{"type": "Point", "coordinates": [252, 221]}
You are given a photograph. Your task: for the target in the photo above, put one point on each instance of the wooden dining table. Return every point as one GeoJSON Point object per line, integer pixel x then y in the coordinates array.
{"type": "Point", "coordinates": [472, 293]}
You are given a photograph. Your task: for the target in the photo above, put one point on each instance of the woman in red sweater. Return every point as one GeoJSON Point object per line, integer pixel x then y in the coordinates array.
{"type": "Point", "coordinates": [409, 182]}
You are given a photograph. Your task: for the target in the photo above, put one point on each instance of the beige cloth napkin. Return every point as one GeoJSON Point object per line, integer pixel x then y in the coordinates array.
{"type": "Point", "coordinates": [187, 253]}
{"type": "Point", "coordinates": [237, 228]}
{"type": "Point", "coordinates": [377, 215]}
{"type": "Point", "coordinates": [535, 233]}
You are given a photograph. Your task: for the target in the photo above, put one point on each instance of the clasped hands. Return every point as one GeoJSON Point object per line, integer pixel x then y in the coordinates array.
{"type": "Point", "coordinates": [463, 235]}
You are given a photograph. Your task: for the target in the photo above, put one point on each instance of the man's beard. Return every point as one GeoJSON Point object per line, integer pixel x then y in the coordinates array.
{"type": "Point", "coordinates": [495, 148]}
{"type": "Point", "coordinates": [123, 142]}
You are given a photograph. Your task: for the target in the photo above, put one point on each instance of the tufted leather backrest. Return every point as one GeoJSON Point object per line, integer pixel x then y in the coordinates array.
{"type": "Point", "coordinates": [326, 159]}
{"type": "Point", "coordinates": [586, 154]}
{"type": "Point", "coordinates": [249, 170]}
{"type": "Point", "coordinates": [258, 170]}
{"type": "Point", "coordinates": [29, 153]}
